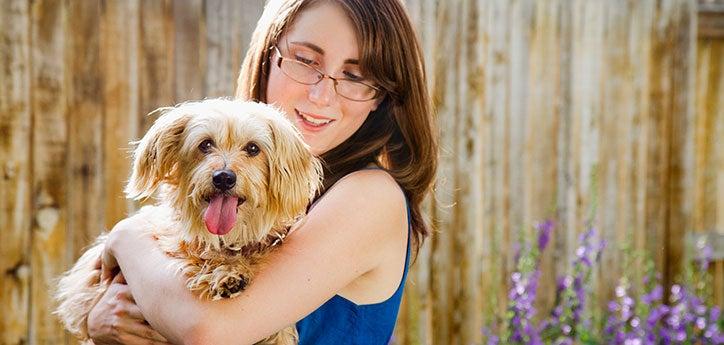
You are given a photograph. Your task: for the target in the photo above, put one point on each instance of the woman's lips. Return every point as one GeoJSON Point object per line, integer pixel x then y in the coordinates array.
{"type": "Point", "coordinates": [312, 123]}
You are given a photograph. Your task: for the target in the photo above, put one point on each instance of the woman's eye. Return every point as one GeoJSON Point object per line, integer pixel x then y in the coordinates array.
{"type": "Point", "coordinates": [352, 76]}
{"type": "Point", "coordinates": [252, 149]}
{"type": "Point", "coordinates": [304, 60]}
{"type": "Point", "coordinates": [206, 146]}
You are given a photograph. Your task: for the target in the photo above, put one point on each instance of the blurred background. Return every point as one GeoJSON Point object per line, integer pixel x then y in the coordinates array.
{"type": "Point", "coordinates": [599, 114]}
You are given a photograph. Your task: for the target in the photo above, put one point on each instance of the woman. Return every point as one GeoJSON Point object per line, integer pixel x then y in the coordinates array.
{"type": "Point", "coordinates": [350, 75]}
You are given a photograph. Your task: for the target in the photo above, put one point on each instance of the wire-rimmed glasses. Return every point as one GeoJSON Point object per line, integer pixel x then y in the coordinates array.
{"type": "Point", "coordinates": [353, 90]}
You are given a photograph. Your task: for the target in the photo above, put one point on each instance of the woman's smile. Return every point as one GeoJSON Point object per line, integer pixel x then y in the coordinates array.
{"type": "Point", "coordinates": [310, 122]}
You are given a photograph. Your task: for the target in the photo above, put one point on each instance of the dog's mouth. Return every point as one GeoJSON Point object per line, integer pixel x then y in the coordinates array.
{"type": "Point", "coordinates": [240, 199]}
{"type": "Point", "coordinates": [220, 215]}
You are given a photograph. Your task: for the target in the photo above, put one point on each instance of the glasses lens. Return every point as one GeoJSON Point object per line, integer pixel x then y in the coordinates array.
{"type": "Point", "coordinates": [300, 72]}
{"type": "Point", "coordinates": [355, 90]}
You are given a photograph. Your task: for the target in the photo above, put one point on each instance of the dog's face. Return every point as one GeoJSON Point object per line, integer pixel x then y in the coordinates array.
{"type": "Point", "coordinates": [231, 168]}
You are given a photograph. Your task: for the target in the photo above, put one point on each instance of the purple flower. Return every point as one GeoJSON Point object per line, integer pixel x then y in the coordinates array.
{"type": "Point", "coordinates": [571, 295]}
{"type": "Point", "coordinates": [544, 234]}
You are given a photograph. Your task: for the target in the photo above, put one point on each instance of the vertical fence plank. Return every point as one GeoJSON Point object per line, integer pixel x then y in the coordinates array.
{"type": "Point", "coordinates": [221, 23]}
{"type": "Point", "coordinates": [541, 128]}
{"type": "Point", "coordinates": [681, 141]}
{"type": "Point", "coordinates": [85, 171]}
{"type": "Point", "coordinates": [496, 63]}
{"type": "Point", "coordinates": [119, 43]}
{"type": "Point", "coordinates": [189, 50]}
{"type": "Point", "coordinates": [469, 161]}
{"type": "Point", "coordinates": [15, 171]}
{"type": "Point", "coordinates": [584, 130]}
{"type": "Point", "coordinates": [445, 278]}
{"type": "Point", "coordinates": [658, 121]}
{"type": "Point", "coordinates": [49, 235]}
{"type": "Point", "coordinates": [707, 194]}
{"type": "Point", "coordinates": [156, 60]}
{"type": "Point", "coordinates": [227, 34]}
{"type": "Point", "coordinates": [416, 314]}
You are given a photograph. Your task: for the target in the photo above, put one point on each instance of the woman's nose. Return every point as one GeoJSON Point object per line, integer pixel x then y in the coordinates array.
{"type": "Point", "coordinates": [322, 92]}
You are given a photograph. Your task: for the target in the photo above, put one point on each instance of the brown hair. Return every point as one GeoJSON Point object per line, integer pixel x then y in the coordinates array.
{"type": "Point", "coordinates": [400, 135]}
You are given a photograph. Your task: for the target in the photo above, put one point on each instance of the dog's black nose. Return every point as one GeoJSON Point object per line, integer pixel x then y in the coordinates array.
{"type": "Point", "coordinates": [224, 179]}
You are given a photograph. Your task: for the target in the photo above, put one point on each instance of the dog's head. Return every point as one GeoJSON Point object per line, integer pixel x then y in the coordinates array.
{"type": "Point", "coordinates": [230, 168]}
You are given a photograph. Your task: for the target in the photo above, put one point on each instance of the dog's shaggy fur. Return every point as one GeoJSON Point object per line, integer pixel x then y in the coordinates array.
{"type": "Point", "coordinates": [276, 177]}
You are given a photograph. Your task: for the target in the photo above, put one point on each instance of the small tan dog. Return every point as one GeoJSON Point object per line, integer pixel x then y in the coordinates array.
{"type": "Point", "coordinates": [232, 178]}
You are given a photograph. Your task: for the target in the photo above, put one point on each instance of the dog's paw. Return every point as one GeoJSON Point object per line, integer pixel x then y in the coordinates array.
{"type": "Point", "coordinates": [230, 287]}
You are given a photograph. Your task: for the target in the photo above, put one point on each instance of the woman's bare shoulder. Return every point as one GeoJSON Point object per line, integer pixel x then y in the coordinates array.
{"type": "Point", "coordinates": [366, 208]}
{"type": "Point", "coordinates": [370, 191]}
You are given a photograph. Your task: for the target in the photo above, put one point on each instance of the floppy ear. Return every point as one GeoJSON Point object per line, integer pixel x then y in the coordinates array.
{"type": "Point", "coordinates": [156, 154]}
{"type": "Point", "coordinates": [295, 174]}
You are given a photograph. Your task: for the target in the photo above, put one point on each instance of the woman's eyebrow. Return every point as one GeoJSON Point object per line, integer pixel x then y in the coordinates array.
{"type": "Point", "coordinates": [320, 51]}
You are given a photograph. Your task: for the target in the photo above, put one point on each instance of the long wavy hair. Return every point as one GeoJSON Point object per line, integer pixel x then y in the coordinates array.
{"type": "Point", "coordinates": [400, 135]}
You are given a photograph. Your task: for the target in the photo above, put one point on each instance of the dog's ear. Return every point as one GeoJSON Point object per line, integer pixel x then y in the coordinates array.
{"type": "Point", "coordinates": [157, 153]}
{"type": "Point", "coordinates": [295, 173]}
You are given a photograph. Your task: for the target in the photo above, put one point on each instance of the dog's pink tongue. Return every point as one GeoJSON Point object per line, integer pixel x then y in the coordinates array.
{"type": "Point", "coordinates": [220, 216]}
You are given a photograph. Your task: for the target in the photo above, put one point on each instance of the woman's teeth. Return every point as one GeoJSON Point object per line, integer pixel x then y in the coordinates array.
{"type": "Point", "coordinates": [314, 121]}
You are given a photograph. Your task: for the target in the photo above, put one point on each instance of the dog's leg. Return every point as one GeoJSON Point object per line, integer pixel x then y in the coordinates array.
{"type": "Point", "coordinates": [218, 281]}
{"type": "Point", "coordinates": [79, 290]}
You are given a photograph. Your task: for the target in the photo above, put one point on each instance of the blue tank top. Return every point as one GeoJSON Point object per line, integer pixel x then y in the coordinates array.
{"type": "Point", "coordinates": [340, 321]}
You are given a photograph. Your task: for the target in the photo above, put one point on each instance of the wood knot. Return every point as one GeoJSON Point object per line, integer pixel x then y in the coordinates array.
{"type": "Point", "coordinates": [46, 218]}
{"type": "Point", "coordinates": [10, 170]}
{"type": "Point", "coordinates": [20, 271]}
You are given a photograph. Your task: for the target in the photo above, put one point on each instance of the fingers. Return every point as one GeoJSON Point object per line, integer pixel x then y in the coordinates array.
{"type": "Point", "coordinates": [135, 312]}
{"type": "Point", "coordinates": [137, 324]}
{"type": "Point", "coordinates": [128, 323]}
{"type": "Point", "coordinates": [109, 265]}
{"type": "Point", "coordinates": [132, 339]}
{"type": "Point", "coordinates": [119, 278]}
{"type": "Point", "coordinates": [145, 332]}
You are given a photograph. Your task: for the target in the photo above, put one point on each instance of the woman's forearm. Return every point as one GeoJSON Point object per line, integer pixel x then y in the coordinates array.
{"type": "Point", "coordinates": [158, 290]}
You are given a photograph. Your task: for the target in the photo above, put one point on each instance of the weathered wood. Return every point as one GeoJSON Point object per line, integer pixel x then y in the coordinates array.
{"type": "Point", "coordinates": [227, 37]}
{"type": "Point", "coordinates": [541, 100]}
{"type": "Point", "coordinates": [469, 162]}
{"type": "Point", "coordinates": [189, 50]}
{"type": "Point", "coordinates": [710, 19]}
{"type": "Point", "coordinates": [681, 142]}
{"type": "Point", "coordinates": [119, 66]}
{"type": "Point", "coordinates": [156, 61]}
{"type": "Point", "coordinates": [582, 110]}
{"type": "Point", "coordinates": [15, 171]}
{"type": "Point", "coordinates": [446, 280]}
{"type": "Point", "coordinates": [50, 235]}
{"type": "Point", "coordinates": [416, 314]}
{"type": "Point", "coordinates": [84, 165]}
{"type": "Point", "coordinates": [707, 194]}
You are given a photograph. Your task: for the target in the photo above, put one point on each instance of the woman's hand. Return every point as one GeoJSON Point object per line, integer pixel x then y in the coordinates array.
{"type": "Point", "coordinates": [116, 319]}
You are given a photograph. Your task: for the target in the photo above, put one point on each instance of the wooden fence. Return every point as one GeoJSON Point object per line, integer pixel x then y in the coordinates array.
{"type": "Point", "coordinates": [607, 111]}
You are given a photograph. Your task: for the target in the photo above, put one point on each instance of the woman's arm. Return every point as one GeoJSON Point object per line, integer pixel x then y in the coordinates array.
{"type": "Point", "coordinates": [346, 235]}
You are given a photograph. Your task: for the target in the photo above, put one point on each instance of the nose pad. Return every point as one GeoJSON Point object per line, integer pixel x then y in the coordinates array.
{"type": "Point", "coordinates": [224, 179]}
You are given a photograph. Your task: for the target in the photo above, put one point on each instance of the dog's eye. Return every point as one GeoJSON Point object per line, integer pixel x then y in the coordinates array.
{"type": "Point", "coordinates": [206, 146]}
{"type": "Point", "coordinates": [252, 149]}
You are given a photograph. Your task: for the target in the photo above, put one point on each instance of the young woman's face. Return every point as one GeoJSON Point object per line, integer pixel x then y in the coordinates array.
{"type": "Point", "coordinates": [324, 37]}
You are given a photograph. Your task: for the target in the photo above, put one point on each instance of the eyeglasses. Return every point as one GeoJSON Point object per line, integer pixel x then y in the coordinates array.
{"type": "Point", "coordinates": [353, 90]}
